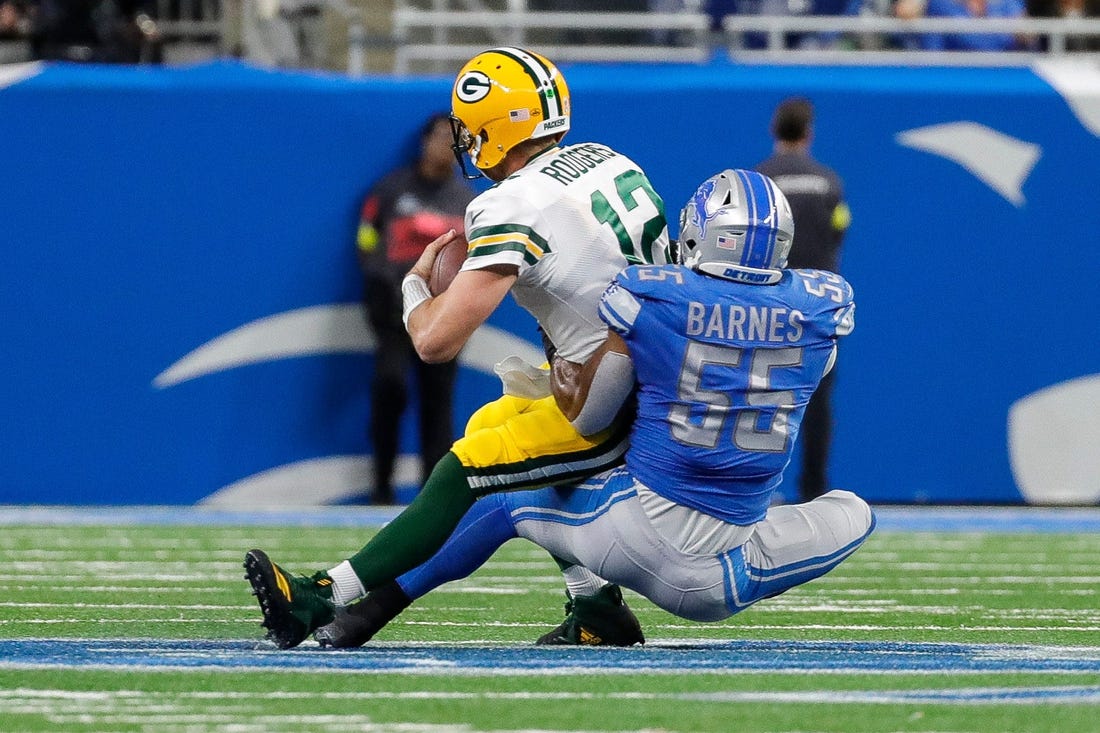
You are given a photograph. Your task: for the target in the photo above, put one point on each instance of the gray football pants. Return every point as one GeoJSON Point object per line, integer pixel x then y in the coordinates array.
{"type": "Point", "coordinates": [602, 525]}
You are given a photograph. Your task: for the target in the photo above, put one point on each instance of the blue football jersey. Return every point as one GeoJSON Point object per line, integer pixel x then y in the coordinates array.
{"type": "Point", "coordinates": [725, 371]}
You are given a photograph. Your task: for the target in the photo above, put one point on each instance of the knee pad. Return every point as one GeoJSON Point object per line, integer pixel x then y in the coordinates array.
{"type": "Point", "coordinates": [859, 511]}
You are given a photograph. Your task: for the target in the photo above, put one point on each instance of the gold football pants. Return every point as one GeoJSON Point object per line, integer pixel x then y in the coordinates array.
{"type": "Point", "coordinates": [516, 443]}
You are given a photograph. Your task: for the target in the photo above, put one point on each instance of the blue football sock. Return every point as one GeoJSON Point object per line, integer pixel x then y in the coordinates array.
{"type": "Point", "coordinates": [486, 526]}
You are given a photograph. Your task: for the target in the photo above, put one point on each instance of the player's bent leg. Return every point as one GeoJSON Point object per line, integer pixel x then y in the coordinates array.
{"type": "Point", "coordinates": [796, 543]}
{"type": "Point", "coordinates": [605, 528]}
{"type": "Point", "coordinates": [478, 535]}
{"type": "Point", "coordinates": [601, 524]}
{"type": "Point", "coordinates": [524, 444]}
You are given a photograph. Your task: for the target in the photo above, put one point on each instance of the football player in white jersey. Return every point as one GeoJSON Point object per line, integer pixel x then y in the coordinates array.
{"type": "Point", "coordinates": [559, 225]}
{"type": "Point", "coordinates": [726, 350]}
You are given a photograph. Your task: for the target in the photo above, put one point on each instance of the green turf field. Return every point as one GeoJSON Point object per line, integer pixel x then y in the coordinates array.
{"type": "Point", "coordinates": [1024, 607]}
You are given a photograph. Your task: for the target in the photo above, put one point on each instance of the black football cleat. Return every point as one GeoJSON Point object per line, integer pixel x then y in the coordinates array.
{"type": "Point", "coordinates": [292, 605]}
{"type": "Point", "coordinates": [357, 624]}
{"type": "Point", "coordinates": [601, 619]}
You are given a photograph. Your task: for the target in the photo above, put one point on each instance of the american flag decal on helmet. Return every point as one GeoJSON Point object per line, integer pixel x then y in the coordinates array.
{"type": "Point", "coordinates": [730, 243]}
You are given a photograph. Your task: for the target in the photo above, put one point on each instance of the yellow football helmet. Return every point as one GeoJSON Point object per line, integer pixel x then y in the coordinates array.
{"type": "Point", "coordinates": [502, 97]}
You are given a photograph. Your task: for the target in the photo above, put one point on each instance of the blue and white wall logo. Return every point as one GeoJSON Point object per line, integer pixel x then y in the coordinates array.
{"type": "Point", "coordinates": [1000, 161]}
{"type": "Point", "coordinates": [1051, 430]}
{"type": "Point", "coordinates": [180, 292]}
{"type": "Point", "coordinates": [339, 328]}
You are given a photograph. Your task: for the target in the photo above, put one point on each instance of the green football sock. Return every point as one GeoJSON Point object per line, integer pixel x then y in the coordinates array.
{"type": "Point", "coordinates": [418, 531]}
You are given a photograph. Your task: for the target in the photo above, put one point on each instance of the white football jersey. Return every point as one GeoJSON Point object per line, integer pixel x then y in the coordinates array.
{"type": "Point", "coordinates": [570, 220]}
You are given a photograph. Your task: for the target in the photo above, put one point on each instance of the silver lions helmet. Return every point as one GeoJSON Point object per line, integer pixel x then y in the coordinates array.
{"type": "Point", "coordinates": [737, 225]}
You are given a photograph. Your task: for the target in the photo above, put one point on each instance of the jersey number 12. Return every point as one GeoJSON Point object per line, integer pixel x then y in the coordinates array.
{"type": "Point", "coordinates": [627, 185]}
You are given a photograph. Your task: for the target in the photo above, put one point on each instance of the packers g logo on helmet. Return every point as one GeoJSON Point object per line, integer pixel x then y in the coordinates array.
{"type": "Point", "coordinates": [472, 86]}
{"type": "Point", "coordinates": [504, 96]}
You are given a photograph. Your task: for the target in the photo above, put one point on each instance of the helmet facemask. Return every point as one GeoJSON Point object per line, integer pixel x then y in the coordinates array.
{"type": "Point", "coordinates": [465, 146]}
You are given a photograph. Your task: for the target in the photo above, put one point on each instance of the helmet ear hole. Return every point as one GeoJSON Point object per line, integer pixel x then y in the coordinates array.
{"type": "Point", "coordinates": [685, 248]}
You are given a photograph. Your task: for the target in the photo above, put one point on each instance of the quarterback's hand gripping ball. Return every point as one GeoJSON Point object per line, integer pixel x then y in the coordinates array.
{"type": "Point", "coordinates": [447, 264]}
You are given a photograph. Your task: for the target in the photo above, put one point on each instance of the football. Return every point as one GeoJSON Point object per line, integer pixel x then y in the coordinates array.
{"type": "Point", "coordinates": [447, 264]}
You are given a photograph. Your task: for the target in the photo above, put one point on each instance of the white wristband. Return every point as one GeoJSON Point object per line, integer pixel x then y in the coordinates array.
{"type": "Point", "coordinates": [414, 291]}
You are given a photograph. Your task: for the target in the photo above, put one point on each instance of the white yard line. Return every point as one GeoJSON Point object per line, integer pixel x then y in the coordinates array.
{"type": "Point", "coordinates": [34, 700]}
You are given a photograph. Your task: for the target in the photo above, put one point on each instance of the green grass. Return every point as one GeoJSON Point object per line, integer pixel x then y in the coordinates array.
{"type": "Point", "coordinates": [186, 583]}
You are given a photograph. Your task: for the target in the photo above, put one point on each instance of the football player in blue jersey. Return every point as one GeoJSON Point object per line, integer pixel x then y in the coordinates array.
{"type": "Point", "coordinates": [722, 351]}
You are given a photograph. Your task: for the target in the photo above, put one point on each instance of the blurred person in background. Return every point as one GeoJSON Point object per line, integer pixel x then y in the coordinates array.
{"type": "Point", "coordinates": [98, 31]}
{"type": "Point", "coordinates": [284, 33]}
{"type": "Point", "coordinates": [807, 40]}
{"type": "Point", "coordinates": [15, 19]}
{"type": "Point", "coordinates": [1068, 9]}
{"type": "Point", "coordinates": [821, 218]}
{"type": "Point", "coordinates": [966, 9]}
{"type": "Point", "coordinates": [402, 213]}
